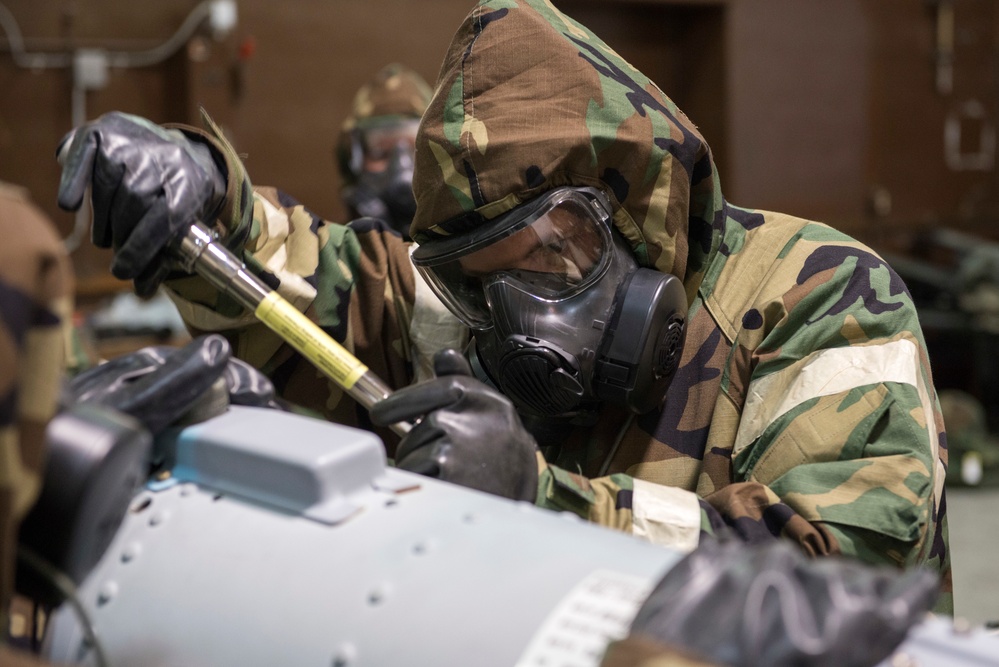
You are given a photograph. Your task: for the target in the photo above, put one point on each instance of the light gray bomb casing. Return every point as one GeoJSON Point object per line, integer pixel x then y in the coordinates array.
{"type": "Point", "coordinates": [284, 540]}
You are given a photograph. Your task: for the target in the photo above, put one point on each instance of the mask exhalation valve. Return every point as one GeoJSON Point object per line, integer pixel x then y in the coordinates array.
{"type": "Point", "coordinates": [539, 376]}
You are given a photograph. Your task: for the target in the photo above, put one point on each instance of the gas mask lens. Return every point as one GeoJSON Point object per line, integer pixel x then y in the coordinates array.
{"type": "Point", "coordinates": [563, 317]}
{"type": "Point", "coordinates": [550, 248]}
{"type": "Point", "coordinates": [384, 141]}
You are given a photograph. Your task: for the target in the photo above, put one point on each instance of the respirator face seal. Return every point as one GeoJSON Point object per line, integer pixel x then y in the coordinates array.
{"type": "Point", "coordinates": [551, 248]}
{"type": "Point", "coordinates": [562, 315]}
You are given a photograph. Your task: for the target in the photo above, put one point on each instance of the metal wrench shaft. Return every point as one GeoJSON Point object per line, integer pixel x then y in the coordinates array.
{"type": "Point", "coordinates": [198, 252]}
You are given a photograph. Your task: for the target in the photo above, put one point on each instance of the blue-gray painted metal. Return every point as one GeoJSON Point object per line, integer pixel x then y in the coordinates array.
{"type": "Point", "coordinates": [239, 559]}
{"type": "Point", "coordinates": [437, 575]}
{"type": "Point", "coordinates": [940, 642]}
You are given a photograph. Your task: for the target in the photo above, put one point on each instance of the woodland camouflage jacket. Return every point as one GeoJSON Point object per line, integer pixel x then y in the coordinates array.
{"type": "Point", "coordinates": [35, 303]}
{"type": "Point", "coordinates": [804, 406]}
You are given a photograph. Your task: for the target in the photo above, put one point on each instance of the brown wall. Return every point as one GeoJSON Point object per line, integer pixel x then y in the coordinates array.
{"type": "Point", "coordinates": [797, 118]}
{"type": "Point", "coordinates": [810, 106]}
{"type": "Point", "coordinates": [282, 105]}
{"type": "Point", "coordinates": [311, 56]}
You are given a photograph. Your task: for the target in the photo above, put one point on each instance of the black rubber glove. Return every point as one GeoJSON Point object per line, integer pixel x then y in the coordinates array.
{"type": "Point", "coordinates": [148, 184]}
{"type": "Point", "coordinates": [769, 604]}
{"type": "Point", "coordinates": [159, 385]}
{"type": "Point", "coordinates": [469, 433]}
{"type": "Point", "coordinates": [248, 386]}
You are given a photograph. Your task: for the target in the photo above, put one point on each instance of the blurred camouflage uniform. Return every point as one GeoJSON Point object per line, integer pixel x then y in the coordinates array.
{"type": "Point", "coordinates": [639, 651]}
{"type": "Point", "coordinates": [395, 95]}
{"type": "Point", "coordinates": [804, 406]}
{"type": "Point", "coordinates": [35, 302]}
{"type": "Point", "coordinates": [974, 451]}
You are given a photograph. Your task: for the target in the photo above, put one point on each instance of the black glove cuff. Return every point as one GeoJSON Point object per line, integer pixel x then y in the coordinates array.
{"type": "Point", "coordinates": [232, 213]}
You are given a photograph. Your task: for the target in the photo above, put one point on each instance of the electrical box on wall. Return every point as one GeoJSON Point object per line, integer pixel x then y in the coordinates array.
{"type": "Point", "coordinates": [90, 69]}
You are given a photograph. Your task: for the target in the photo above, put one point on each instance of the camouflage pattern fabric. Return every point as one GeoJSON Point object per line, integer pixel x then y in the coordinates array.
{"type": "Point", "coordinates": [804, 406]}
{"type": "Point", "coordinates": [640, 651]}
{"type": "Point", "coordinates": [395, 90]}
{"type": "Point", "coordinates": [35, 305]}
{"type": "Point", "coordinates": [355, 281]}
{"type": "Point", "coordinates": [973, 450]}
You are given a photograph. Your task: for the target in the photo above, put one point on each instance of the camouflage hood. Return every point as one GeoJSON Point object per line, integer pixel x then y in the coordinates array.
{"type": "Point", "coordinates": [528, 100]}
{"type": "Point", "coordinates": [395, 90]}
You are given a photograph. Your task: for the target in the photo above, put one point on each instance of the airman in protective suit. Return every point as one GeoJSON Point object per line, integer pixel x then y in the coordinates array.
{"type": "Point", "coordinates": [570, 216]}
{"type": "Point", "coordinates": [376, 146]}
{"type": "Point", "coordinates": [35, 303]}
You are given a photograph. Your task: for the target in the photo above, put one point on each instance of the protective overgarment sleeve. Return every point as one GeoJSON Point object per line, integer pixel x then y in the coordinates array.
{"type": "Point", "coordinates": [849, 471]}
{"type": "Point", "coordinates": [356, 281]}
{"type": "Point", "coordinates": [232, 217]}
{"type": "Point", "coordinates": [665, 515]}
{"type": "Point", "coordinates": [36, 286]}
{"type": "Point", "coordinates": [840, 427]}
{"type": "Point", "coordinates": [836, 442]}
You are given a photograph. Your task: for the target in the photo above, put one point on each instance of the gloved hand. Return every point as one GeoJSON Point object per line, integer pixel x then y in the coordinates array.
{"type": "Point", "coordinates": [147, 185]}
{"type": "Point", "coordinates": [769, 604]}
{"type": "Point", "coordinates": [469, 433]}
{"type": "Point", "coordinates": [159, 385]}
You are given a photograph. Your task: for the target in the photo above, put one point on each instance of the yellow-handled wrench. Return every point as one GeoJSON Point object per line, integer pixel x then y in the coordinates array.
{"type": "Point", "coordinates": [197, 251]}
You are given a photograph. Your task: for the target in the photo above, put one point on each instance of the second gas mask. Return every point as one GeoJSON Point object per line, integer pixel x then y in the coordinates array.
{"type": "Point", "coordinates": [381, 162]}
{"type": "Point", "coordinates": [563, 317]}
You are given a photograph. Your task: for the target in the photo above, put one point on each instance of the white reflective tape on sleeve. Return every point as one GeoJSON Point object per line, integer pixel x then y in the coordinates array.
{"type": "Point", "coordinates": [833, 371]}
{"type": "Point", "coordinates": [824, 373]}
{"type": "Point", "coordinates": [432, 328]}
{"type": "Point", "coordinates": [666, 515]}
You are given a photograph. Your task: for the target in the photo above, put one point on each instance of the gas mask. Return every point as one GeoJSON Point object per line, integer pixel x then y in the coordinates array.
{"type": "Point", "coordinates": [562, 316]}
{"type": "Point", "coordinates": [381, 161]}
